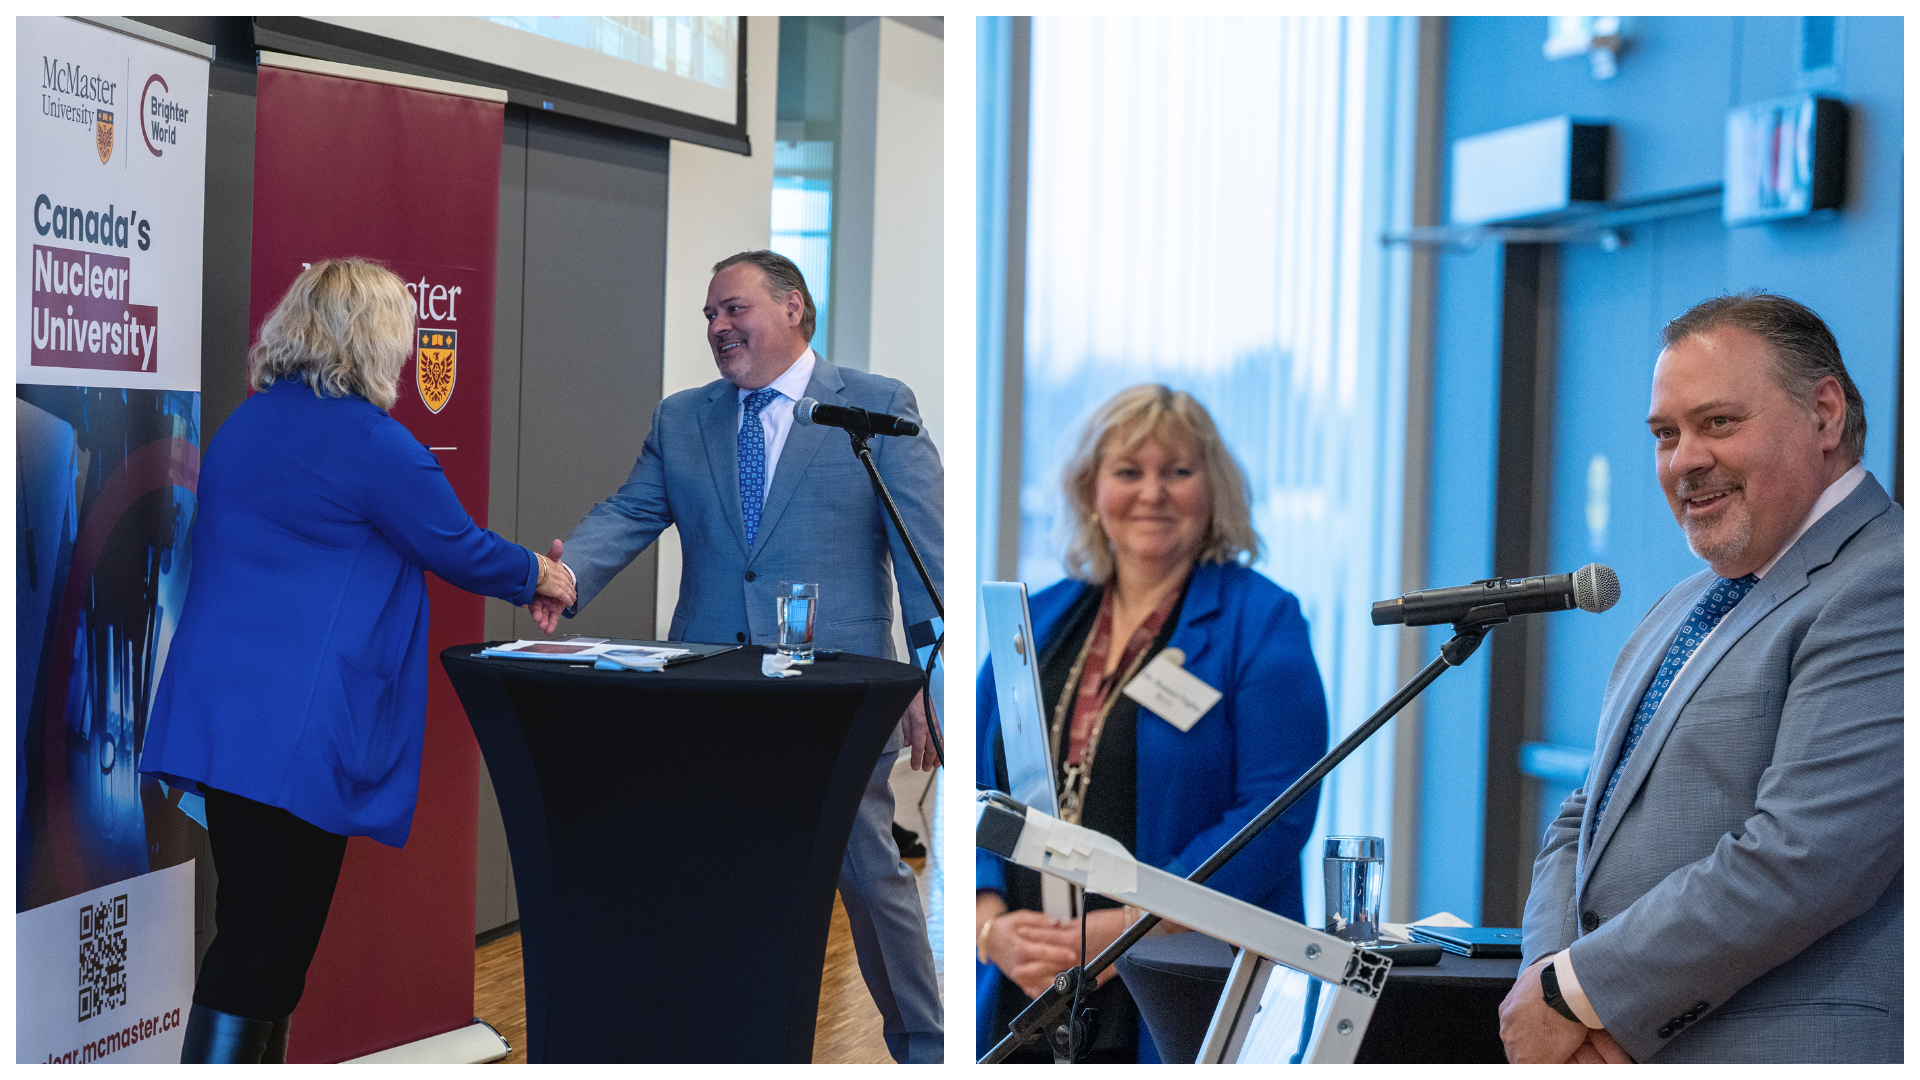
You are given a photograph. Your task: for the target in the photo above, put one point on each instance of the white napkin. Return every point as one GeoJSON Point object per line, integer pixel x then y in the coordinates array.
{"type": "Point", "coordinates": [778, 666]}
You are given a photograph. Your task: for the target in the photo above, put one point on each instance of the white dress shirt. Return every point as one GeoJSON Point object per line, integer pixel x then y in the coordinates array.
{"type": "Point", "coordinates": [1835, 493]}
{"type": "Point", "coordinates": [777, 418]}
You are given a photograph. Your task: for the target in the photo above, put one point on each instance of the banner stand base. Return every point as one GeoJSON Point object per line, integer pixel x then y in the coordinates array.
{"type": "Point", "coordinates": [475, 1044]}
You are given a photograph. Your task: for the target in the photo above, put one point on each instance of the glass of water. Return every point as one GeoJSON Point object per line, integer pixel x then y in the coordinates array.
{"type": "Point", "coordinates": [794, 607]}
{"type": "Point", "coordinates": [1355, 868]}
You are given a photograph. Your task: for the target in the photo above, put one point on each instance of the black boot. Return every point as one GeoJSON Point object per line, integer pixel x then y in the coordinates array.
{"type": "Point", "coordinates": [214, 1037]}
{"type": "Point", "coordinates": [908, 842]}
{"type": "Point", "coordinates": [276, 1053]}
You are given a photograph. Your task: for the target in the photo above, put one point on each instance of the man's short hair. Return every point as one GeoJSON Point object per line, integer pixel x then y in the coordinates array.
{"type": "Point", "coordinates": [782, 278]}
{"type": "Point", "coordinates": [1802, 348]}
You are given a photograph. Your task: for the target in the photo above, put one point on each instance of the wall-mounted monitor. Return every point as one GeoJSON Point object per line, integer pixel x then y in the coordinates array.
{"type": "Point", "coordinates": [1786, 158]}
{"type": "Point", "coordinates": [680, 76]}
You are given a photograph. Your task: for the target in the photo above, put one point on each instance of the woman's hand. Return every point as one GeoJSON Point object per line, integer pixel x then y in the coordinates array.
{"type": "Point", "coordinates": [1030, 948]}
{"type": "Point", "coordinates": [1026, 946]}
{"type": "Point", "coordinates": [555, 582]}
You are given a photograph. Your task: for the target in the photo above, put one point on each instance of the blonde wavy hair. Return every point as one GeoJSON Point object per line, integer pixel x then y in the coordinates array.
{"type": "Point", "coordinates": [344, 327]}
{"type": "Point", "coordinates": [1166, 416]}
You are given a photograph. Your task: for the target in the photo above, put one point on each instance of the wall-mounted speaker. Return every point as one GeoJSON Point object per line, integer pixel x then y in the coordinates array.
{"type": "Point", "coordinates": [1786, 158]}
{"type": "Point", "coordinates": [1529, 170]}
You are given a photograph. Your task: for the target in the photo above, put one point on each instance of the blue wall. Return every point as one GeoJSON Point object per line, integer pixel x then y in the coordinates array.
{"type": "Point", "coordinates": [1668, 107]}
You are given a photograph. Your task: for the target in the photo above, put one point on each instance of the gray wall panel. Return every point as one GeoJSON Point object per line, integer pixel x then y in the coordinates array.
{"type": "Point", "coordinates": [494, 900]}
{"type": "Point", "coordinates": [503, 495]}
{"type": "Point", "coordinates": [227, 268]}
{"type": "Point", "coordinates": [591, 340]}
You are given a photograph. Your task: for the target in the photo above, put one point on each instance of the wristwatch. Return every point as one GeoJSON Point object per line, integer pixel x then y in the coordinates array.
{"type": "Point", "coordinates": [1550, 993]}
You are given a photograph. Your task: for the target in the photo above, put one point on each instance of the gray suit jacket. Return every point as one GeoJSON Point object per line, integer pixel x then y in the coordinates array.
{"type": "Point", "coordinates": [822, 521]}
{"type": "Point", "coordinates": [1748, 870]}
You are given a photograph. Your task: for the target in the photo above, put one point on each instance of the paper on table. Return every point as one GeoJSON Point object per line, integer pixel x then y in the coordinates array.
{"type": "Point", "coordinates": [543, 650]}
{"type": "Point", "coordinates": [778, 666]}
{"type": "Point", "coordinates": [1398, 931]}
{"type": "Point", "coordinates": [635, 659]}
{"type": "Point", "coordinates": [576, 651]}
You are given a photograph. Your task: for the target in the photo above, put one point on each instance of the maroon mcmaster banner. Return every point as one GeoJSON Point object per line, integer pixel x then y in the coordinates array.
{"type": "Point", "coordinates": [410, 179]}
{"type": "Point", "coordinates": [81, 317]}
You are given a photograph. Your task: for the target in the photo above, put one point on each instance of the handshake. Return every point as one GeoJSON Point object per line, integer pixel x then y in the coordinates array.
{"type": "Point", "coordinates": [554, 593]}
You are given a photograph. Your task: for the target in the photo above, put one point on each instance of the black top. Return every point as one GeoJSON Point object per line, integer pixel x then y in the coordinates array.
{"type": "Point", "coordinates": [1109, 809]}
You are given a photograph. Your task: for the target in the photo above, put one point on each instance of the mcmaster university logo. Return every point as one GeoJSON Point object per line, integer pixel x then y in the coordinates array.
{"type": "Point", "coordinates": [433, 366]}
{"type": "Point", "coordinates": [103, 134]}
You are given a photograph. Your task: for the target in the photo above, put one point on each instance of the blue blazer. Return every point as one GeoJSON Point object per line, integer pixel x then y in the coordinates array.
{"type": "Point", "coordinates": [298, 674]}
{"type": "Point", "coordinates": [821, 521]}
{"type": "Point", "coordinates": [1244, 636]}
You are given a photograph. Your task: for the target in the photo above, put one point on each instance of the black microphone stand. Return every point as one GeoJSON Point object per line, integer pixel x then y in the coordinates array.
{"type": "Point", "coordinates": [865, 455]}
{"type": "Point", "coordinates": [860, 450]}
{"type": "Point", "coordinates": [1049, 1011]}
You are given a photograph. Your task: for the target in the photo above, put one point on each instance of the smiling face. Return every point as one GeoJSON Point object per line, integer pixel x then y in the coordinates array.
{"type": "Point", "coordinates": [1154, 501]}
{"type": "Point", "coordinates": [754, 336]}
{"type": "Point", "coordinates": [1740, 461]}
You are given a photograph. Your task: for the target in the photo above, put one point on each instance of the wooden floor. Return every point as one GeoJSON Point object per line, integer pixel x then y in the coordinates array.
{"type": "Point", "coordinates": [848, 1028]}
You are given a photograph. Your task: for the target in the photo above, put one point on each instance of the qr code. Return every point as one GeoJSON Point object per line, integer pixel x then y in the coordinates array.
{"type": "Point", "coordinates": [103, 956]}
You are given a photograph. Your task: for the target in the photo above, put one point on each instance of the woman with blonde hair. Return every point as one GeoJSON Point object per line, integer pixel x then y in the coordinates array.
{"type": "Point", "coordinates": [1161, 536]}
{"type": "Point", "coordinates": [294, 695]}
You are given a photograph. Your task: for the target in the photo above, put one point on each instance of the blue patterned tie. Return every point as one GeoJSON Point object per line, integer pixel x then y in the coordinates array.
{"type": "Point", "coordinates": [1707, 612]}
{"type": "Point", "coordinates": [753, 459]}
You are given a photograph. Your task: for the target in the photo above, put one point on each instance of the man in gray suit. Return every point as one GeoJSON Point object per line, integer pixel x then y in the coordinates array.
{"type": "Point", "coordinates": [1728, 884]}
{"type": "Point", "coordinates": [759, 499]}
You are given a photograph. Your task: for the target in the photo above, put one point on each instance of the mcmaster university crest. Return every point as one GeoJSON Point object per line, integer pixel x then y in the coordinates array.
{"type": "Point", "coordinates": [103, 133]}
{"type": "Point", "coordinates": [433, 366]}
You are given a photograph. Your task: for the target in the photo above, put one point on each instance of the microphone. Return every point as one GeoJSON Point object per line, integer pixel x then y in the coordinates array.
{"type": "Point", "coordinates": [1593, 587]}
{"type": "Point", "coordinates": [858, 421]}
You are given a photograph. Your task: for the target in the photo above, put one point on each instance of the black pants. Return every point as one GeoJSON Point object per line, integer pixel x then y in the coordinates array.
{"type": "Point", "coordinates": [277, 875]}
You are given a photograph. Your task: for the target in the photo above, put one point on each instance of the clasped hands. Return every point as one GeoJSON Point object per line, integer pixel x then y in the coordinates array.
{"type": "Point", "coordinates": [554, 593]}
{"type": "Point", "coordinates": [1537, 1035]}
{"type": "Point", "coordinates": [1031, 949]}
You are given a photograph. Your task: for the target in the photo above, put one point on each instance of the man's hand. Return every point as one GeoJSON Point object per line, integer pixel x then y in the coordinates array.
{"type": "Point", "coordinates": [1600, 1049]}
{"type": "Point", "coordinates": [914, 726]}
{"type": "Point", "coordinates": [555, 590]}
{"type": "Point", "coordinates": [1533, 1032]}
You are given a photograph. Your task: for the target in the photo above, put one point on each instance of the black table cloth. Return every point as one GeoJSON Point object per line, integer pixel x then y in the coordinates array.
{"type": "Point", "coordinates": [1449, 1012]}
{"type": "Point", "coordinates": [676, 840]}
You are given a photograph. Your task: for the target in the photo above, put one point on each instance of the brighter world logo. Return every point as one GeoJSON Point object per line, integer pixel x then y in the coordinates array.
{"type": "Point", "coordinates": [160, 117]}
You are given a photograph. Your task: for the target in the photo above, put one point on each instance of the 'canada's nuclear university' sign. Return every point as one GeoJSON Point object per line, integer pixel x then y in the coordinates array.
{"type": "Point", "coordinates": [110, 165]}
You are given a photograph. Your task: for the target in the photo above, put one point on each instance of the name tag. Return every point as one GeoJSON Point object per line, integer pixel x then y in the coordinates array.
{"type": "Point", "coordinates": [1171, 692]}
